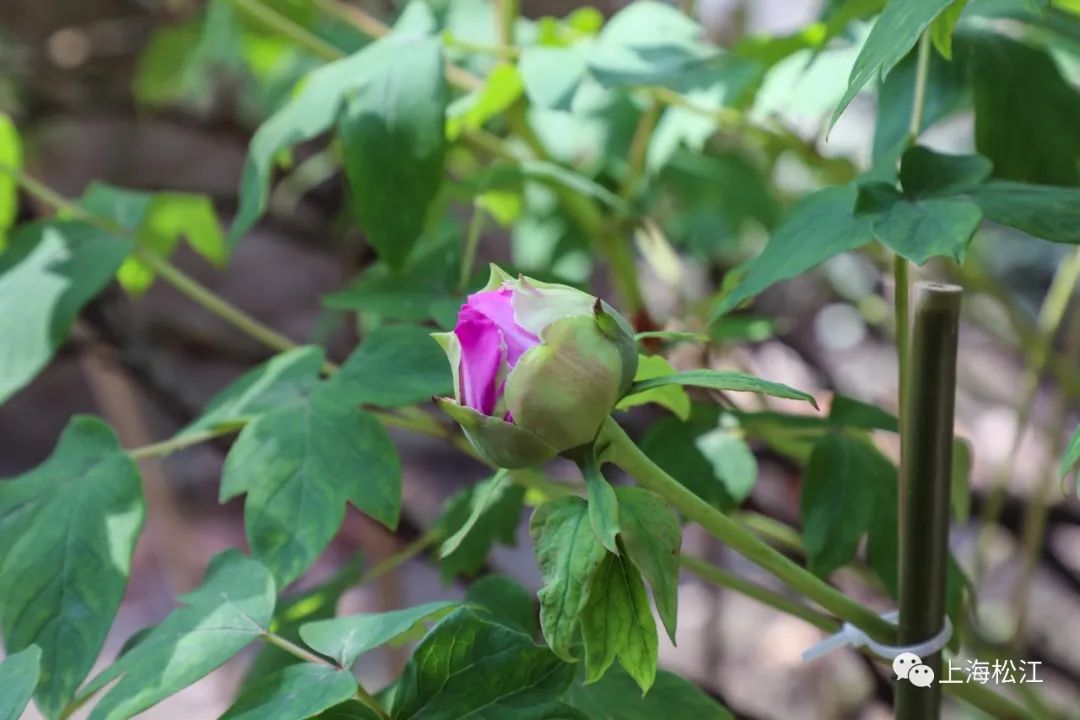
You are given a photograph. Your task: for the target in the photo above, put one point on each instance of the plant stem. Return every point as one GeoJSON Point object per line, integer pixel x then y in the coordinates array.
{"type": "Point", "coordinates": [922, 71]}
{"type": "Point", "coordinates": [1034, 527]}
{"type": "Point", "coordinates": [927, 468]}
{"type": "Point", "coordinates": [763, 595]}
{"type": "Point", "coordinates": [901, 267]}
{"type": "Point", "coordinates": [168, 447]}
{"type": "Point", "coordinates": [279, 23]}
{"type": "Point", "coordinates": [1051, 314]}
{"type": "Point", "coordinates": [217, 305]}
{"type": "Point", "coordinates": [630, 458]}
{"type": "Point", "coordinates": [402, 556]}
{"type": "Point", "coordinates": [472, 241]}
{"type": "Point", "coordinates": [639, 148]}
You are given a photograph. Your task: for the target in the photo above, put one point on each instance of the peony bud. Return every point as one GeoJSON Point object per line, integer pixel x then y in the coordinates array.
{"type": "Point", "coordinates": [537, 368]}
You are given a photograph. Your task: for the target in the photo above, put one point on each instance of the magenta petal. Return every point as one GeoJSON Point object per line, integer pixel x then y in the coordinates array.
{"type": "Point", "coordinates": [496, 306]}
{"type": "Point", "coordinates": [481, 353]}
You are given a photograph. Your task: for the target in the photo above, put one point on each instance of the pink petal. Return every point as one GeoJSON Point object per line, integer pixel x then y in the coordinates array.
{"type": "Point", "coordinates": [496, 306]}
{"type": "Point", "coordinates": [481, 354]}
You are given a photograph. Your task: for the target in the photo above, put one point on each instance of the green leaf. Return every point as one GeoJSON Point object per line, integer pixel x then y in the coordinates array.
{"type": "Point", "coordinates": [617, 622]}
{"type": "Point", "coordinates": [317, 603]}
{"type": "Point", "coordinates": [346, 638]}
{"type": "Point", "coordinates": [673, 445]}
{"type": "Point", "coordinates": [896, 31]}
{"type": "Point", "coordinates": [941, 30]}
{"type": "Point", "coordinates": [960, 480]}
{"type": "Point", "coordinates": [394, 366]}
{"type": "Point", "coordinates": [723, 380]}
{"type": "Point", "coordinates": [393, 141]}
{"type": "Point", "coordinates": [10, 164]}
{"type": "Point", "coordinates": [47, 273]}
{"type": "Point", "coordinates": [617, 697]}
{"type": "Point", "coordinates": [603, 508]}
{"type": "Point", "coordinates": [849, 412]}
{"type": "Point", "coordinates": [282, 380]}
{"type": "Point", "coordinates": [67, 531]}
{"type": "Point", "coordinates": [158, 221]}
{"type": "Point", "coordinates": [508, 602]}
{"type": "Point", "coordinates": [947, 91]}
{"type": "Point", "coordinates": [502, 88]}
{"type": "Point", "coordinates": [925, 172]}
{"type": "Point", "coordinates": [468, 668]}
{"type": "Point", "coordinates": [649, 43]}
{"type": "Point", "coordinates": [416, 293]}
{"type": "Point", "coordinates": [568, 555]}
{"type": "Point", "coordinates": [919, 229]}
{"type": "Point", "coordinates": [652, 539]}
{"type": "Point", "coordinates": [552, 75]}
{"type": "Point", "coordinates": [841, 488]}
{"type": "Point", "coordinates": [312, 110]}
{"type": "Point", "coordinates": [297, 691]}
{"type": "Point", "coordinates": [1051, 213]}
{"type": "Point", "coordinates": [558, 176]}
{"type": "Point", "coordinates": [1011, 78]}
{"type": "Point", "coordinates": [18, 677]}
{"type": "Point", "coordinates": [350, 710]}
{"type": "Point", "coordinates": [299, 464]}
{"type": "Point", "coordinates": [673, 397]}
{"type": "Point", "coordinates": [231, 608]}
{"type": "Point", "coordinates": [733, 462]}
{"type": "Point", "coordinates": [477, 518]}
{"type": "Point", "coordinates": [819, 227]}
{"type": "Point", "coordinates": [1072, 455]}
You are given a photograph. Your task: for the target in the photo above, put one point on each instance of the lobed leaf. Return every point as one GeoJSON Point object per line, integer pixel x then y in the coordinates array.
{"type": "Point", "coordinates": [568, 555]}
{"type": "Point", "coordinates": [394, 366]}
{"type": "Point", "coordinates": [652, 538]}
{"type": "Point", "coordinates": [616, 696]}
{"type": "Point", "coordinates": [508, 602]}
{"type": "Point", "coordinates": [841, 489]}
{"type": "Point", "coordinates": [617, 622]}
{"type": "Point", "coordinates": [346, 638]}
{"type": "Point", "coordinates": [282, 380]}
{"type": "Point", "coordinates": [67, 532]}
{"type": "Point", "coordinates": [297, 691]}
{"type": "Point", "coordinates": [468, 668]}
{"type": "Point", "coordinates": [231, 608]}
{"type": "Point", "coordinates": [299, 464]}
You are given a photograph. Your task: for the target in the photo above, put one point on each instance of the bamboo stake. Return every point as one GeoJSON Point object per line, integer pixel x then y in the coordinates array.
{"type": "Point", "coordinates": [929, 400]}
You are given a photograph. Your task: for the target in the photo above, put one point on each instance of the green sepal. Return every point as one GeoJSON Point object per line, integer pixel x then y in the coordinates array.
{"type": "Point", "coordinates": [503, 444]}
{"type": "Point", "coordinates": [450, 344]}
{"type": "Point", "coordinates": [617, 329]}
{"type": "Point", "coordinates": [497, 278]}
{"type": "Point", "coordinates": [563, 389]}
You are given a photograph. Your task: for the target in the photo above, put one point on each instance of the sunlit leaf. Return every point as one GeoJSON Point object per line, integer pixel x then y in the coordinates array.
{"type": "Point", "coordinates": [49, 271]}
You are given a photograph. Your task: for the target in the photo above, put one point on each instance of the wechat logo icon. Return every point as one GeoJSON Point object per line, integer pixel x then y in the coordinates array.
{"type": "Point", "coordinates": [909, 666]}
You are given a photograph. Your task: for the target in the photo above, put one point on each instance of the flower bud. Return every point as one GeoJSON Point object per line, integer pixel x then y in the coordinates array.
{"type": "Point", "coordinates": [537, 368]}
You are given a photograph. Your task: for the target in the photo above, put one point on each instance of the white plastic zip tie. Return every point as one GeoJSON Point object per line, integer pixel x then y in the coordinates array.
{"type": "Point", "coordinates": [851, 636]}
